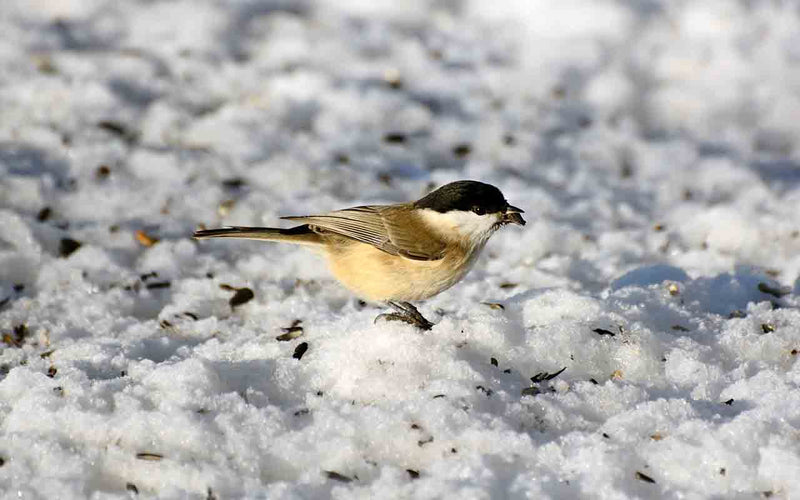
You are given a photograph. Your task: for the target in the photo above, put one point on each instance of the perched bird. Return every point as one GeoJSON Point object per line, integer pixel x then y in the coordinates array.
{"type": "Point", "coordinates": [402, 252]}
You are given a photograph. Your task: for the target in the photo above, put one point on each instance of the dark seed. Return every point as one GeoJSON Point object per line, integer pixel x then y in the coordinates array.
{"type": "Point", "coordinates": [626, 169]}
{"type": "Point", "coordinates": [593, 381]}
{"type": "Point", "coordinates": [507, 370]}
{"type": "Point", "coordinates": [118, 129]}
{"type": "Point", "coordinates": [728, 402]}
{"type": "Point", "coordinates": [543, 376]}
{"type": "Point", "coordinates": [234, 183]}
{"type": "Point", "coordinates": [2, 461]}
{"type": "Point", "coordinates": [191, 315]}
{"type": "Point", "coordinates": [462, 150]}
{"type": "Point", "coordinates": [17, 338]}
{"type": "Point", "coordinates": [394, 138]}
{"type": "Point", "coordinates": [680, 328]}
{"type": "Point", "coordinates": [44, 214]}
{"type": "Point", "coordinates": [132, 488]}
{"type": "Point", "coordinates": [113, 127]}
{"type": "Point", "coordinates": [767, 327]}
{"type": "Point", "coordinates": [291, 332]}
{"type": "Point", "coordinates": [603, 331]}
{"type": "Point", "coordinates": [493, 361]}
{"type": "Point", "coordinates": [439, 396]}
{"type": "Point", "coordinates": [67, 246]}
{"type": "Point", "coordinates": [51, 372]}
{"type": "Point", "coordinates": [102, 172]}
{"type": "Point", "coordinates": [300, 350]}
{"type": "Point", "coordinates": [302, 411]}
{"type": "Point", "coordinates": [19, 287]}
{"type": "Point", "coordinates": [722, 471]}
{"type": "Point", "coordinates": [242, 296]}
{"type": "Point", "coordinates": [644, 477]}
{"type": "Point", "coordinates": [484, 390]}
{"type": "Point", "coordinates": [152, 457]}
{"type": "Point", "coordinates": [147, 276]}
{"type": "Point", "coordinates": [337, 477]}
{"type": "Point", "coordinates": [774, 291]}
{"type": "Point", "coordinates": [158, 284]}
{"type": "Point", "coordinates": [495, 305]}
{"type": "Point", "coordinates": [413, 474]}
{"type": "Point", "coordinates": [423, 442]}
{"type": "Point", "coordinates": [531, 391]}
{"type": "Point", "coordinates": [47, 354]}
{"type": "Point", "coordinates": [606, 436]}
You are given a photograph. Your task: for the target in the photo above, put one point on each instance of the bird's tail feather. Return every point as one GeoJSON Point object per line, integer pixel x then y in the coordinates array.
{"type": "Point", "coordinates": [302, 235]}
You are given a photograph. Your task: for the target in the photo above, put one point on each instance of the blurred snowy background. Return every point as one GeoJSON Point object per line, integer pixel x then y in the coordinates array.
{"type": "Point", "coordinates": [655, 146]}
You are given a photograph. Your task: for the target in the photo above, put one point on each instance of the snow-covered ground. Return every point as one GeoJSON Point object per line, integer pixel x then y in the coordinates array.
{"type": "Point", "coordinates": [655, 147]}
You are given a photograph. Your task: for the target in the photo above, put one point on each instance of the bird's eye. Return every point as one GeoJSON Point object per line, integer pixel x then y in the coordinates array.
{"type": "Point", "coordinates": [478, 210]}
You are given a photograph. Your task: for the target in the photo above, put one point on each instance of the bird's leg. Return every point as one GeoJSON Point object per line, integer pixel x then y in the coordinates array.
{"type": "Point", "coordinates": [419, 319]}
{"type": "Point", "coordinates": [407, 313]}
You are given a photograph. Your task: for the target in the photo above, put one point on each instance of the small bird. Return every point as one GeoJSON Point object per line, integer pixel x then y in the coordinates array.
{"type": "Point", "coordinates": [402, 252]}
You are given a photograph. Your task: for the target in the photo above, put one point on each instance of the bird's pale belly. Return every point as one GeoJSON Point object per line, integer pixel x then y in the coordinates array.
{"type": "Point", "coordinates": [378, 276]}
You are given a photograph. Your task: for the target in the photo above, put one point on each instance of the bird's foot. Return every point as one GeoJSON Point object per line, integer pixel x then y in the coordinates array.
{"type": "Point", "coordinates": [406, 313]}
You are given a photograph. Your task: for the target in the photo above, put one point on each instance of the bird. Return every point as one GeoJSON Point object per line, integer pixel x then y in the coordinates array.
{"type": "Point", "coordinates": [401, 252]}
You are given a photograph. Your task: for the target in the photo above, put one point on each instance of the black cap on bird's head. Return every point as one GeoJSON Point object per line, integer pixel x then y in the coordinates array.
{"type": "Point", "coordinates": [471, 196]}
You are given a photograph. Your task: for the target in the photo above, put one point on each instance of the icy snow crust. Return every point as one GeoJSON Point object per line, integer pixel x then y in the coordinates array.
{"type": "Point", "coordinates": [653, 145]}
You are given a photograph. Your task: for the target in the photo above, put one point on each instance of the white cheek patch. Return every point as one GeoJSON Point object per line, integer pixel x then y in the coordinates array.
{"type": "Point", "coordinates": [463, 224]}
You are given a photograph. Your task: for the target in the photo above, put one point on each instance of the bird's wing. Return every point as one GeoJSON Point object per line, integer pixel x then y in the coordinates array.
{"type": "Point", "coordinates": [379, 226]}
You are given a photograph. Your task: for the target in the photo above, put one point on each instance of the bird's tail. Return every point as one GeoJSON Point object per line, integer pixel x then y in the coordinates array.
{"type": "Point", "coordinates": [302, 235]}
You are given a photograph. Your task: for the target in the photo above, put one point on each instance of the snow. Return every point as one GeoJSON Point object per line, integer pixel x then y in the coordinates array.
{"type": "Point", "coordinates": [653, 146]}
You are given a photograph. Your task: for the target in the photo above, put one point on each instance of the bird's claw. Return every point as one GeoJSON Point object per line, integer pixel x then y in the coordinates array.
{"type": "Point", "coordinates": [406, 313]}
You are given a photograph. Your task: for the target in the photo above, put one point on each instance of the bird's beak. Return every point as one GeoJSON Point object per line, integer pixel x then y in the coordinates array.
{"type": "Point", "coordinates": [512, 215]}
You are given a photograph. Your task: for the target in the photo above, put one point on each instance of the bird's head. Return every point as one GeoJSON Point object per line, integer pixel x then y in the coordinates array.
{"type": "Point", "coordinates": [468, 209]}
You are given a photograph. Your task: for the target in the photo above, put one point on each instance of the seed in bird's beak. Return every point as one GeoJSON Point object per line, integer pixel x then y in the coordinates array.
{"type": "Point", "coordinates": [512, 215]}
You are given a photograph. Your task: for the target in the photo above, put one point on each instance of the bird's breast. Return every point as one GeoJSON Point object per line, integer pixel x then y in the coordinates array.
{"type": "Point", "coordinates": [379, 276]}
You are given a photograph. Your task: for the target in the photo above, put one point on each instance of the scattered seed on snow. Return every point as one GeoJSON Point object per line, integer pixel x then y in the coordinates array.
{"type": "Point", "coordinates": [644, 477]}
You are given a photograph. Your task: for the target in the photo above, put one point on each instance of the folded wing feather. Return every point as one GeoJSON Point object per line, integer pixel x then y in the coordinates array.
{"type": "Point", "coordinates": [375, 225]}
